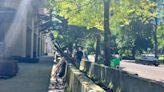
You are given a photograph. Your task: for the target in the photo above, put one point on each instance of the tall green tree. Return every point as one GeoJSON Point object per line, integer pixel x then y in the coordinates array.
{"type": "Point", "coordinates": [107, 33]}
{"type": "Point", "coordinates": [88, 13]}
{"type": "Point", "coordinates": [131, 18]}
{"type": "Point", "coordinates": [137, 13]}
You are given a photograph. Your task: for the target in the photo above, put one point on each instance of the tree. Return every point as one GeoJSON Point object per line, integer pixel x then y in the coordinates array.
{"type": "Point", "coordinates": [88, 13]}
{"type": "Point", "coordinates": [98, 38]}
{"type": "Point", "coordinates": [160, 36]}
{"type": "Point", "coordinates": [129, 18]}
{"type": "Point", "coordinates": [137, 18]}
{"type": "Point", "coordinates": [107, 33]}
{"type": "Point", "coordinates": [67, 35]}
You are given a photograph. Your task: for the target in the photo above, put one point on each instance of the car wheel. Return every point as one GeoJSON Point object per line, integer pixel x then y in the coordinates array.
{"type": "Point", "coordinates": [156, 64]}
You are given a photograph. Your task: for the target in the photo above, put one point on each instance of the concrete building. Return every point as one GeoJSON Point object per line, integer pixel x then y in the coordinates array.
{"type": "Point", "coordinates": [19, 28]}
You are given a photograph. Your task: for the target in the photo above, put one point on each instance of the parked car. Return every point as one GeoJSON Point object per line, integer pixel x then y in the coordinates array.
{"type": "Point", "coordinates": [147, 60]}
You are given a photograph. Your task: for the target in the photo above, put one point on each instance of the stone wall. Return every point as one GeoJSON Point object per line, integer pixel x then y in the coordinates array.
{"type": "Point", "coordinates": [76, 81]}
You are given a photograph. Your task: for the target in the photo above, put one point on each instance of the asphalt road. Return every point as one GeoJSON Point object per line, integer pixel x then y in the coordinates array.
{"type": "Point", "coordinates": [145, 71]}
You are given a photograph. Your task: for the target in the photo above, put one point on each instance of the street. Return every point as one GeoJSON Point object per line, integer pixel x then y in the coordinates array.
{"type": "Point", "coordinates": [145, 71]}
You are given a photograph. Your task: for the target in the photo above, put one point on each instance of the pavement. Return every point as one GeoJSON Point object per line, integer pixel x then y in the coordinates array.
{"type": "Point", "coordinates": [55, 86]}
{"type": "Point", "coordinates": [30, 77]}
{"type": "Point", "coordinates": [144, 71]}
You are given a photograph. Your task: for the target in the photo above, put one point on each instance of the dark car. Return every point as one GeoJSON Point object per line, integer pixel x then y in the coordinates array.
{"type": "Point", "coordinates": [147, 60]}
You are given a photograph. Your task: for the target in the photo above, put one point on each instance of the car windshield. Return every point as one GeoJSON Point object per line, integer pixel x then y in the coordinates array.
{"type": "Point", "coordinates": [149, 57]}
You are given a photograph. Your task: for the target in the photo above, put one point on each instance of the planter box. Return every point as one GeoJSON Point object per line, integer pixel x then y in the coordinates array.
{"type": "Point", "coordinates": [8, 68]}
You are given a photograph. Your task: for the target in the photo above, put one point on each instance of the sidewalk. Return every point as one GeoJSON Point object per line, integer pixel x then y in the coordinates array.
{"type": "Point", "coordinates": [54, 86]}
{"type": "Point", "coordinates": [30, 77]}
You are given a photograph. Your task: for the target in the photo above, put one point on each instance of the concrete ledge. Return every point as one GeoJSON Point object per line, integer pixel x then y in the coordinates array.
{"type": "Point", "coordinates": [120, 81]}
{"type": "Point", "coordinates": [8, 68]}
{"type": "Point", "coordinates": [76, 81]}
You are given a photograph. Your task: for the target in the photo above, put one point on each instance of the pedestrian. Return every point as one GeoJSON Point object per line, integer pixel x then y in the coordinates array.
{"type": "Point", "coordinates": [57, 57]}
{"type": "Point", "coordinates": [79, 56]}
{"type": "Point", "coordinates": [86, 54]}
{"type": "Point", "coordinates": [74, 53]}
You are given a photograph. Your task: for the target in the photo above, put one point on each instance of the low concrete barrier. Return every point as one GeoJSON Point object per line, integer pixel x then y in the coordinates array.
{"type": "Point", "coordinates": [77, 81]}
{"type": "Point", "coordinates": [120, 81]}
{"type": "Point", "coordinates": [8, 68]}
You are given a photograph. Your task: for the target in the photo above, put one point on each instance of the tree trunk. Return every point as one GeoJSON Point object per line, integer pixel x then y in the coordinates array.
{"type": "Point", "coordinates": [97, 48]}
{"type": "Point", "coordinates": [133, 52]}
{"type": "Point", "coordinates": [155, 39]}
{"type": "Point", "coordinates": [155, 33]}
{"type": "Point", "coordinates": [107, 33]}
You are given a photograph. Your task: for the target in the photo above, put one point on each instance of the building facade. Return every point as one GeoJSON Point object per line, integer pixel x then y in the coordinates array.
{"type": "Point", "coordinates": [19, 28]}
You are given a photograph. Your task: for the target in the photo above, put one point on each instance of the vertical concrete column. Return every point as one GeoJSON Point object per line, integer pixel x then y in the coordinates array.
{"type": "Point", "coordinates": [34, 48]}
{"type": "Point", "coordinates": [37, 32]}
{"type": "Point", "coordinates": [44, 45]}
{"type": "Point", "coordinates": [35, 43]}
{"type": "Point", "coordinates": [28, 42]}
{"type": "Point", "coordinates": [40, 51]}
{"type": "Point", "coordinates": [43, 41]}
{"type": "Point", "coordinates": [40, 43]}
{"type": "Point", "coordinates": [24, 38]}
{"type": "Point", "coordinates": [32, 38]}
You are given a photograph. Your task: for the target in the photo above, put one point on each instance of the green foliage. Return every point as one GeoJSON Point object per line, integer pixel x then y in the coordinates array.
{"type": "Point", "coordinates": [160, 36]}
{"type": "Point", "coordinates": [55, 34]}
{"type": "Point", "coordinates": [130, 22]}
{"type": "Point", "coordinates": [89, 13]}
{"type": "Point", "coordinates": [81, 12]}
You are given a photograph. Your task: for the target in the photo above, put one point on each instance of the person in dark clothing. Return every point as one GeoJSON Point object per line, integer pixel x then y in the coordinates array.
{"type": "Point", "coordinates": [79, 55]}
{"type": "Point", "coordinates": [85, 54]}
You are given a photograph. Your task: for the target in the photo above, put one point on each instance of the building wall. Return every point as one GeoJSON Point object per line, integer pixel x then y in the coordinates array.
{"type": "Point", "coordinates": [22, 38]}
{"type": "Point", "coordinates": [10, 3]}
